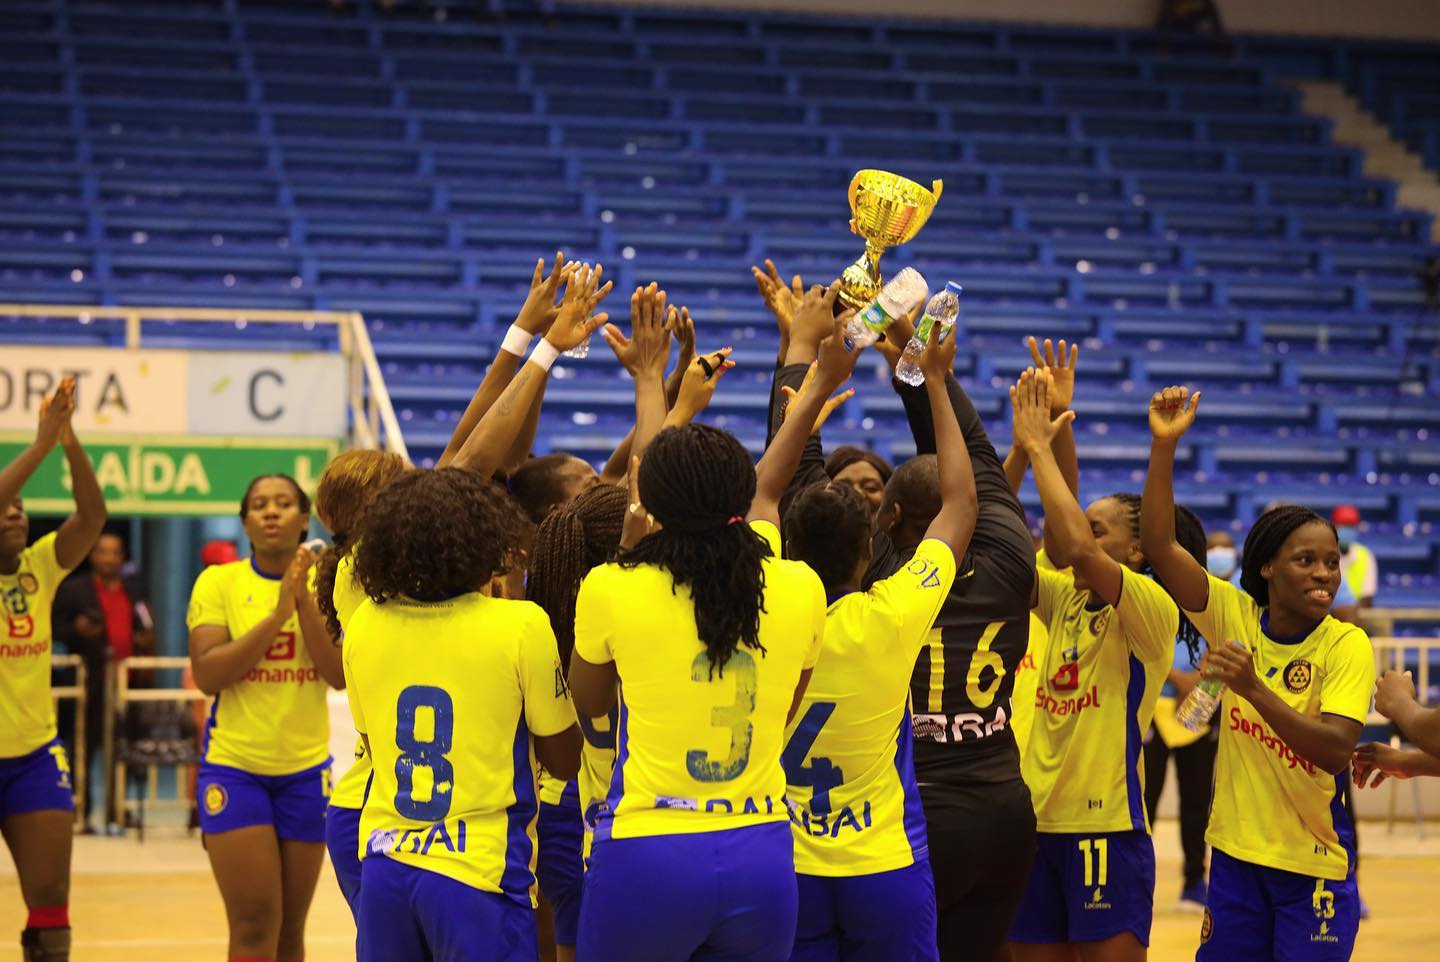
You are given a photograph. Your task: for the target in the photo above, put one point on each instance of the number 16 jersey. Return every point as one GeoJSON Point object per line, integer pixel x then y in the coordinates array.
{"type": "Point", "coordinates": [448, 695]}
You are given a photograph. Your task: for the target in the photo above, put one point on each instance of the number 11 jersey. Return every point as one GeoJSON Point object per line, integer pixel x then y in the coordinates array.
{"type": "Point", "coordinates": [448, 695]}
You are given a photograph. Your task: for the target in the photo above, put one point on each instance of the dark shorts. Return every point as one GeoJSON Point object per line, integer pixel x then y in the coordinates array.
{"type": "Point", "coordinates": [37, 782]}
{"type": "Point", "coordinates": [1253, 912]}
{"type": "Point", "coordinates": [705, 897]}
{"type": "Point", "coordinates": [885, 917]}
{"type": "Point", "coordinates": [559, 861]}
{"type": "Point", "coordinates": [1087, 888]}
{"type": "Point", "coordinates": [294, 804]}
{"type": "Point", "coordinates": [409, 913]}
{"type": "Point", "coordinates": [342, 841]}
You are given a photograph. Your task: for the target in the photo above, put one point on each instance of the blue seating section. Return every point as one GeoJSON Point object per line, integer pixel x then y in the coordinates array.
{"type": "Point", "coordinates": [1171, 209]}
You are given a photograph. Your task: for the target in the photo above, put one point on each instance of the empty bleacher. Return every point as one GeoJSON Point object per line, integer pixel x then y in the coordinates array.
{"type": "Point", "coordinates": [1168, 206]}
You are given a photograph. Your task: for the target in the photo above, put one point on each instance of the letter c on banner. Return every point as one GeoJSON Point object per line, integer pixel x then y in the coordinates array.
{"type": "Point", "coordinates": [274, 413]}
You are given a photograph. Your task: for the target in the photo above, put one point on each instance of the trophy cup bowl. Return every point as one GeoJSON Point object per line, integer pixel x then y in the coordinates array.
{"type": "Point", "coordinates": [887, 210]}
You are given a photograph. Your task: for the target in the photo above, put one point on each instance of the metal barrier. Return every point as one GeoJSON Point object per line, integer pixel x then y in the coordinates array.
{"type": "Point", "coordinates": [372, 416]}
{"type": "Point", "coordinates": [115, 765]}
{"type": "Point", "coordinates": [79, 764]}
{"type": "Point", "coordinates": [1381, 622]}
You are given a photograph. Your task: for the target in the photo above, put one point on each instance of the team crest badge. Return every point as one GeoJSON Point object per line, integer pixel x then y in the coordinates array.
{"type": "Point", "coordinates": [1098, 621]}
{"type": "Point", "coordinates": [28, 584]}
{"type": "Point", "coordinates": [1297, 675]}
{"type": "Point", "coordinates": [1207, 926]}
{"type": "Point", "coordinates": [216, 798]}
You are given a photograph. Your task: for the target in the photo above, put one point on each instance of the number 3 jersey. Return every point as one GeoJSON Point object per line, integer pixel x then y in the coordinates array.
{"type": "Point", "coordinates": [448, 694]}
{"type": "Point", "coordinates": [696, 751]}
{"type": "Point", "coordinates": [855, 807]}
{"type": "Point", "coordinates": [275, 720]}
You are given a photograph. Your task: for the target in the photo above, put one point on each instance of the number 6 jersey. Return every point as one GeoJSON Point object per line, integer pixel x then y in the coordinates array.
{"type": "Point", "coordinates": [448, 694]}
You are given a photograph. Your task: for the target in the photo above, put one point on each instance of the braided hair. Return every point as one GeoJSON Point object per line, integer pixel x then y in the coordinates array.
{"type": "Point", "coordinates": [1267, 535]}
{"type": "Point", "coordinates": [698, 482]}
{"type": "Point", "coordinates": [828, 528]}
{"type": "Point", "coordinates": [572, 539]}
{"type": "Point", "coordinates": [350, 482]}
{"type": "Point", "coordinates": [1190, 535]}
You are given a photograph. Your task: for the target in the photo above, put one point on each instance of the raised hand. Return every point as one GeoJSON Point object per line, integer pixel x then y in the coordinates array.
{"type": "Point", "coordinates": [648, 346]}
{"type": "Point", "coordinates": [1393, 691]}
{"type": "Point", "coordinates": [1172, 411]}
{"type": "Point", "coordinates": [835, 361]}
{"type": "Point", "coordinates": [938, 359]}
{"type": "Point", "coordinates": [814, 318]}
{"type": "Point", "coordinates": [682, 327]}
{"type": "Point", "coordinates": [55, 414]}
{"type": "Point", "coordinates": [806, 385]}
{"type": "Point", "coordinates": [697, 387]}
{"type": "Point", "coordinates": [538, 311]}
{"type": "Point", "coordinates": [1030, 399]}
{"type": "Point", "coordinates": [575, 320]}
{"type": "Point", "coordinates": [781, 299]}
{"type": "Point", "coordinates": [1061, 365]}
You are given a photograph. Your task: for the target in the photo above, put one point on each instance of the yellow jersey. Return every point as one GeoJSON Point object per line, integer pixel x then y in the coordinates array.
{"type": "Point", "coordinates": [27, 712]}
{"type": "Point", "coordinates": [349, 791]}
{"type": "Point", "coordinates": [1272, 807]}
{"type": "Point", "coordinates": [1098, 677]}
{"type": "Point", "coordinates": [696, 751]}
{"type": "Point", "coordinates": [1027, 679]}
{"type": "Point", "coordinates": [449, 694]}
{"type": "Point", "coordinates": [850, 779]}
{"type": "Point", "coordinates": [274, 721]}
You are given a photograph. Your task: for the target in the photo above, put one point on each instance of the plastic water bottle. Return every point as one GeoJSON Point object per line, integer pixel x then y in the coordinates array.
{"type": "Point", "coordinates": [579, 351]}
{"type": "Point", "coordinates": [905, 292]}
{"type": "Point", "coordinates": [1199, 706]}
{"type": "Point", "coordinates": [942, 311]}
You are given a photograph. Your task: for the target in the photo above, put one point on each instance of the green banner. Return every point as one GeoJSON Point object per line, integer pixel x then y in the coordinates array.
{"type": "Point", "coordinates": [157, 475]}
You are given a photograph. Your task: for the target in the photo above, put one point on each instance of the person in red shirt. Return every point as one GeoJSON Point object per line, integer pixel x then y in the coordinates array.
{"type": "Point", "coordinates": [101, 614]}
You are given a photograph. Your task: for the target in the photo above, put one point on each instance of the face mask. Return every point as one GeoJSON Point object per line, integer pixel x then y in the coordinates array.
{"type": "Point", "coordinates": [1347, 536]}
{"type": "Point", "coordinates": [1220, 561]}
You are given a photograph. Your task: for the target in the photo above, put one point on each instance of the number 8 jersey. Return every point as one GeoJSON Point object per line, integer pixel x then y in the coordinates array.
{"type": "Point", "coordinates": [448, 695]}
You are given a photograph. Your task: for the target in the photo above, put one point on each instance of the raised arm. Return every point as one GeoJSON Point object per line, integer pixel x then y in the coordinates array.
{"type": "Point", "coordinates": [682, 327]}
{"type": "Point", "coordinates": [959, 505]}
{"type": "Point", "coordinates": [324, 650]}
{"type": "Point", "coordinates": [701, 377]}
{"type": "Point", "coordinates": [54, 417]}
{"type": "Point", "coordinates": [1172, 411]}
{"type": "Point", "coordinates": [78, 533]}
{"type": "Point", "coordinates": [494, 436]}
{"type": "Point", "coordinates": [643, 354]}
{"type": "Point", "coordinates": [782, 457]}
{"type": "Point", "coordinates": [1065, 522]}
{"type": "Point", "coordinates": [781, 299]}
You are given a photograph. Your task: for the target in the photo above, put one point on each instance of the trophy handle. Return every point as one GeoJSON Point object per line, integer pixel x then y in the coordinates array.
{"type": "Point", "coordinates": [854, 189]}
{"type": "Point", "coordinates": [937, 188]}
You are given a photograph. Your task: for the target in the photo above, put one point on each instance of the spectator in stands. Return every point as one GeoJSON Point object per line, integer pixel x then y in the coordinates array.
{"type": "Point", "coordinates": [1221, 558]}
{"type": "Point", "coordinates": [102, 615]}
{"type": "Point", "coordinates": [1358, 568]}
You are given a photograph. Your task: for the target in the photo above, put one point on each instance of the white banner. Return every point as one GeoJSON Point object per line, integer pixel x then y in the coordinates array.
{"type": "Point", "coordinates": [295, 395]}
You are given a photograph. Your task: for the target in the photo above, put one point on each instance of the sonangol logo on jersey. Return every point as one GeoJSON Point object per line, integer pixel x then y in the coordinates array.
{"type": "Point", "coordinates": [1067, 678]}
{"type": "Point", "coordinates": [216, 798]}
{"type": "Point", "coordinates": [1297, 675]}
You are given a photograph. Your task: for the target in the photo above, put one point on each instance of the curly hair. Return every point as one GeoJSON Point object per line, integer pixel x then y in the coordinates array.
{"type": "Point", "coordinates": [350, 482]}
{"type": "Point", "coordinates": [572, 539]}
{"type": "Point", "coordinates": [698, 482]}
{"type": "Point", "coordinates": [1264, 541]}
{"type": "Point", "coordinates": [1190, 535]}
{"type": "Point", "coordinates": [848, 454]}
{"type": "Point", "coordinates": [828, 528]}
{"type": "Point", "coordinates": [432, 535]}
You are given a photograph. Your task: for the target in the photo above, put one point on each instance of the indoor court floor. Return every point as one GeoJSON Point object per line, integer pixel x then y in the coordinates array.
{"type": "Point", "coordinates": [156, 902]}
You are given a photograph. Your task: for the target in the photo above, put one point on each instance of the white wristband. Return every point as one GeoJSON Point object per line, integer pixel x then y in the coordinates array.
{"type": "Point", "coordinates": [517, 339]}
{"type": "Point", "coordinates": [544, 355]}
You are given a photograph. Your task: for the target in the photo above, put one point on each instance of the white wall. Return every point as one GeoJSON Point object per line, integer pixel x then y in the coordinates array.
{"type": "Point", "coordinates": [1403, 19]}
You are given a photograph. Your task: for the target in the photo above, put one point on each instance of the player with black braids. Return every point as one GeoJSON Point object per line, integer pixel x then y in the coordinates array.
{"type": "Point", "coordinates": [1298, 685]}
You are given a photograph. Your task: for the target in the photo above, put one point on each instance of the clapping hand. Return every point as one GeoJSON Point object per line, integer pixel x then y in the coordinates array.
{"type": "Point", "coordinates": [55, 413]}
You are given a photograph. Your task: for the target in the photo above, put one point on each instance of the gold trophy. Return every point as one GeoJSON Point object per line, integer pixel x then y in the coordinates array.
{"type": "Point", "coordinates": [887, 210]}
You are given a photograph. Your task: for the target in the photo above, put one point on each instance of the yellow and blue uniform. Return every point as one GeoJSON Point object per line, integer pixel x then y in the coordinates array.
{"type": "Point", "coordinates": [448, 695]}
{"type": "Point", "coordinates": [861, 852]}
{"type": "Point", "coordinates": [1282, 880]}
{"type": "Point", "coordinates": [34, 771]}
{"type": "Point", "coordinates": [695, 816]}
{"type": "Point", "coordinates": [342, 817]}
{"type": "Point", "coordinates": [267, 757]}
{"type": "Point", "coordinates": [1027, 675]}
{"type": "Point", "coordinates": [1099, 676]}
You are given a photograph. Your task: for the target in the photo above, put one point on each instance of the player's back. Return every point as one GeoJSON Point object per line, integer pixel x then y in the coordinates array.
{"type": "Point", "coordinates": [448, 694]}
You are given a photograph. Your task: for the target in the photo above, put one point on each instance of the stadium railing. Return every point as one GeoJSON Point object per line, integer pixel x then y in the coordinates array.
{"type": "Point", "coordinates": [74, 692]}
{"type": "Point", "coordinates": [372, 416]}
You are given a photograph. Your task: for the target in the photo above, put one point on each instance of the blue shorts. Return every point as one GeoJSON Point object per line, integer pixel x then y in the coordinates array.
{"type": "Point", "coordinates": [1254, 912]}
{"type": "Point", "coordinates": [409, 913]}
{"type": "Point", "coordinates": [559, 862]}
{"type": "Point", "coordinates": [294, 804]}
{"type": "Point", "coordinates": [342, 840]}
{"type": "Point", "coordinates": [708, 897]}
{"type": "Point", "coordinates": [37, 782]}
{"type": "Point", "coordinates": [885, 917]}
{"type": "Point", "coordinates": [1087, 888]}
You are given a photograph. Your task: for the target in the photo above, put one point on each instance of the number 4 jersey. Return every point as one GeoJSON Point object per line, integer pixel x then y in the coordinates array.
{"type": "Point", "coordinates": [448, 694]}
{"type": "Point", "coordinates": [855, 807]}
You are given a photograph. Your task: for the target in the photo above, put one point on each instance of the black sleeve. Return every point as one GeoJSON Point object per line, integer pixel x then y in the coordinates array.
{"type": "Point", "coordinates": [812, 459]}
